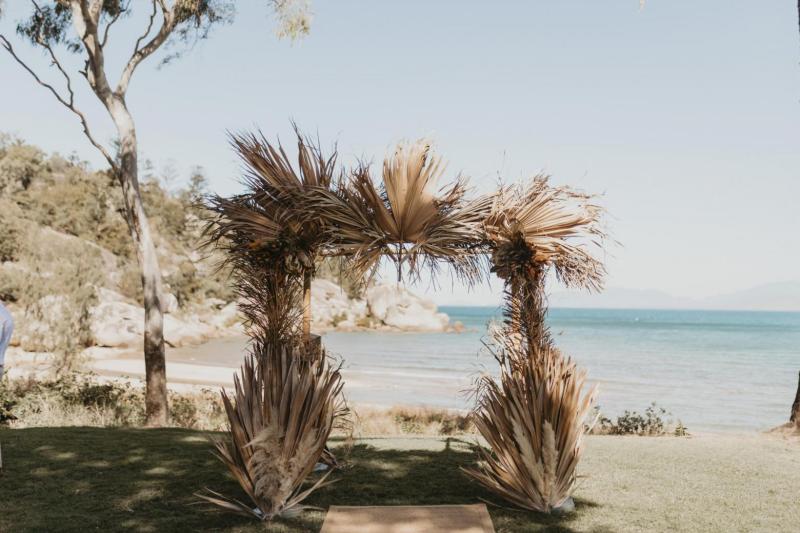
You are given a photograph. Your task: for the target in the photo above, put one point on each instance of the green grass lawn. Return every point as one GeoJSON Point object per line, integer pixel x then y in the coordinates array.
{"type": "Point", "coordinates": [86, 479]}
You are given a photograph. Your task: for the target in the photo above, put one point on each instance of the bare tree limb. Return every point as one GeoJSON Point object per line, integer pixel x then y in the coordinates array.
{"type": "Point", "coordinates": [111, 23]}
{"type": "Point", "coordinates": [143, 36]}
{"type": "Point", "coordinates": [57, 63]}
{"type": "Point", "coordinates": [68, 103]}
{"type": "Point", "coordinates": [140, 53]}
{"type": "Point", "coordinates": [54, 60]}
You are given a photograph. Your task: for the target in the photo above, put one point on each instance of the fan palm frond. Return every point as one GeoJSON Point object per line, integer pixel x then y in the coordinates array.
{"type": "Point", "coordinates": [540, 226]}
{"type": "Point", "coordinates": [270, 170]}
{"type": "Point", "coordinates": [268, 217]}
{"type": "Point", "coordinates": [284, 406]}
{"type": "Point", "coordinates": [406, 218]}
{"type": "Point", "coordinates": [410, 176]}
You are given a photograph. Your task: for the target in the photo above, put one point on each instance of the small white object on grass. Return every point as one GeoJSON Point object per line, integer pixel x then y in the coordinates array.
{"type": "Point", "coordinates": [565, 508]}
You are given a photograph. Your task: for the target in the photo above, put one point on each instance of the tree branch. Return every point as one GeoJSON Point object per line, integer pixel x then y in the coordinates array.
{"type": "Point", "coordinates": [143, 36]}
{"type": "Point", "coordinates": [53, 61]}
{"type": "Point", "coordinates": [68, 103]}
{"type": "Point", "coordinates": [85, 18]}
{"type": "Point", "coordinates": [111, 23]}
{"type": "Point", "coordinates": [57, 63]}
{"type": "Point", "coordinates": [140, 53]}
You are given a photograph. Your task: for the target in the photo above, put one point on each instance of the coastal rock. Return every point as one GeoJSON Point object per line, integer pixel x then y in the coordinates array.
{"type": "Point", "coordinates": [384, 306]}
{"type": "Point", "coordinates": [332, 308]}
{"type": "Point", "coordinates": [107, 295]}
{"type": "Point", "coordinates": [117, 324]}
{"type": "Point", "coordinates": [398, 307]}
{"type": "Point", "coordinates": [179, 332]}
{"type": "Point", "coordinates": [225, 317]}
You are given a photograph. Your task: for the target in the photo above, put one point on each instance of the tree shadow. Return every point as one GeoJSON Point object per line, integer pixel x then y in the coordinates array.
{"type": "Point", "coordinates": [79, 479]}
{"type": "Point", "coordinates": [378, 476]}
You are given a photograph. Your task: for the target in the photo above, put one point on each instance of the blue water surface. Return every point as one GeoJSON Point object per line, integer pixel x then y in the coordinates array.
{"type": "Point", "coordinates": [713, 370]}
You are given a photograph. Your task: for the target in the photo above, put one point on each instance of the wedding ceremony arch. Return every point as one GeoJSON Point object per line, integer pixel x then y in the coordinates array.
{"type": "Point", "coordinates": [287, 398]}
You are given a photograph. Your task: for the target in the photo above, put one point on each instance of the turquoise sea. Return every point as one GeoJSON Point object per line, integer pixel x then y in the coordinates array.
{"type": "Point", "coordinates": [713, 370]}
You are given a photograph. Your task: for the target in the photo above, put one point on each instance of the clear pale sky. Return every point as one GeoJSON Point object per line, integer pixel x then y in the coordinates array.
{"type": "Point", "coordinates": [685, 114]}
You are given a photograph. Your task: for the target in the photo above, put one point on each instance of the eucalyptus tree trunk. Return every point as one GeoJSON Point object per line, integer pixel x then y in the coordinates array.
{"type": "Point", "coordinates": [795, 417]}
{"type": "Point", "coordinates": [154, 357]}
{"type": "Point", "coordinates": [92, 19]}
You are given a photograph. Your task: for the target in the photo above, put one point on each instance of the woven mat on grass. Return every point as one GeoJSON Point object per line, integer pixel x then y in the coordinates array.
{"type": "Point", "coordinates": [408, 519]}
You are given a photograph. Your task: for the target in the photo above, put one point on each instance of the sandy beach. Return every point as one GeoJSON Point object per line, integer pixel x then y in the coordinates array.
{"type": "Point", "coordinates": [214, 363]}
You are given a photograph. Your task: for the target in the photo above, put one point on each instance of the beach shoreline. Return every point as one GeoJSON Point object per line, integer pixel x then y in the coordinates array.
{"type": "Point", "coordinates": [378, 381]}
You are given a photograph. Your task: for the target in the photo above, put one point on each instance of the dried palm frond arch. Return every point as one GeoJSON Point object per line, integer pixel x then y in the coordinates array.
{"type": "Point", "coordinates": [292, 216]}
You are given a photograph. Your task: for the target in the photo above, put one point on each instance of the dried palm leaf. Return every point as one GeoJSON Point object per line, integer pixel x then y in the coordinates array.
{"type": "Point", "coordinates": [405, 218]}
{"type": "Point", "coordinates": [540, 226]}
{"type": "Point", "coordinates": [284, 406]}
{"type": "Point", "coordinates": [533, 420]}
{"type": "Point", "coordinates": [268, 218]}
{"type": "Point", "coordinates": [266, 231]}
{"type": "Point", "coordinates": [270, 170]}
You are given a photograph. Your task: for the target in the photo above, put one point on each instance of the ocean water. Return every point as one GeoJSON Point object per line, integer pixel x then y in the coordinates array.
{"type": "Point", "coordinates": [713, 370]}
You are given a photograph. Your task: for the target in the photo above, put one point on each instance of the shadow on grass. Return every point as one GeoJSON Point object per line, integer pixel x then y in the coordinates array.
{"type": "Point", "coordinates": [79, 479]}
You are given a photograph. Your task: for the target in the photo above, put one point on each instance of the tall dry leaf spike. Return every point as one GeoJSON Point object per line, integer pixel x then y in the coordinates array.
{"type": "Point", "coordinates": [284, 406]}
{"type": "Point", "coordinates": [533, 419]}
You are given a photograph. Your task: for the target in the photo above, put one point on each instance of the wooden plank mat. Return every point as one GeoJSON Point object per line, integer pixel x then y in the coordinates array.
{"type": "Point", "coordinates": [408, 519]}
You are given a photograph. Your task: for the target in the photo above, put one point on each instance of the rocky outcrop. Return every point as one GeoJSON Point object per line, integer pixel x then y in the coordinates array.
{"type": "Point", "coordinates": [333, 309]}
{"type": "Point", "coordinates": [118, 323]}
{"type": "Point", "coordinates": [384, 306]}
{"type": "Point", "coordinates": [397, 307]}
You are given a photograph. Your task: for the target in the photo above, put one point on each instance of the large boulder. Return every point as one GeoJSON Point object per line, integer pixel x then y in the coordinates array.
{"type": "Point", "coordinates": [225, 317]}
{"type": "Point", "coordinates": [384, 306]}
{"type": "Point", "coordinates": [332, 308]}
{"type": "Point", "coordinates": [170, 303]}
{"type": "Point", "coordinates": [397, 307]}
{"type": "Point", "coordinates": [117, 324]}
{"type": "Point", "coordinates": [190, 330]}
